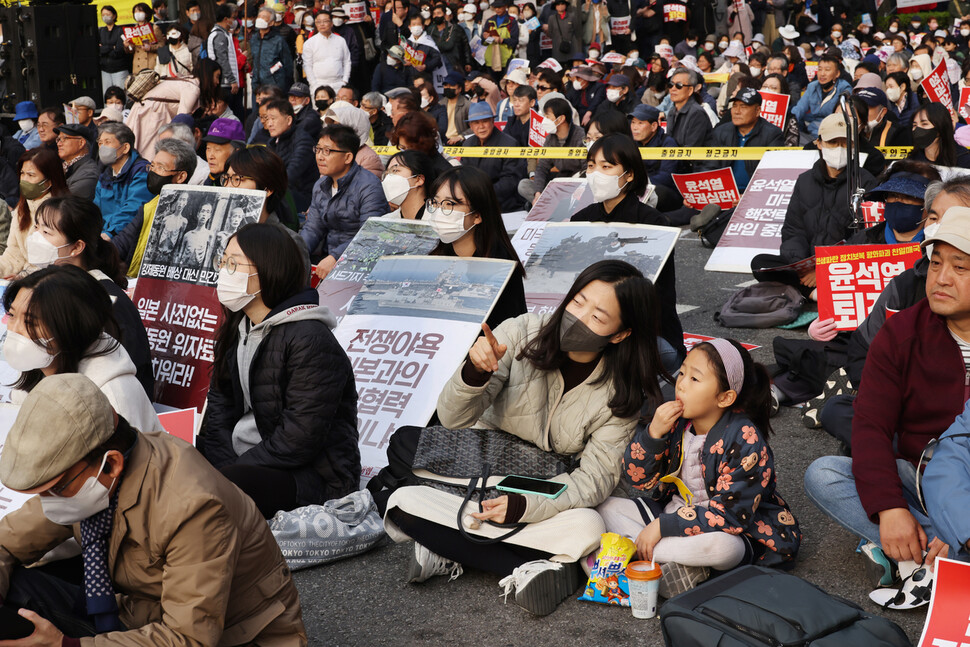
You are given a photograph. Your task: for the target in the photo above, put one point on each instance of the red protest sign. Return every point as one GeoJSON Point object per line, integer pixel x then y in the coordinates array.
{"type": "Point", "coordinates": [946, 620]}
{"type": "Point", "coordinates": [937, 86]}
{"type": "Point", "coordinates": [412, 55]}
{"type": "Point", "coordinates": [774, 108]}
{"type": "Point", "coordinates": [180, 424]}
{"type": "Point", "coordinates": [675, 12]}
{"type": "Point", "coordinates": [620, 26]}
{"type": "Point", "coordinates": [873, 213]}
{"type": "Point", "coordinates": [536, 135]}
{"type": "Point", "coordinates": [851, 278]}
{"type": "Point", "coordinates": [139, 35]}
{"type": "Point", "coordinates": [964, 110]}
{"type": "Point", "coordinates": [708, 187]}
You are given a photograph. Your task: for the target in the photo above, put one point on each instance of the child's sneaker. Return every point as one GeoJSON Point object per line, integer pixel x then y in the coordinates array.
{"type": "Point", "coordinates": [914, 591]}
{"type": "Point", "coordinates": [425, 564]}
{"type": "Point", "coordinates": [677, 578]}
{"type": "Point", "coordinates": [541, 585]}
{"type": "Point", "coordinates": [879, 569]}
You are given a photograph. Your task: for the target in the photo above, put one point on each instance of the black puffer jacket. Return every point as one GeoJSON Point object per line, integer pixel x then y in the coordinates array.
{"type": "Point", "coordinates": [818, 213]}
{"type": "Point", "coordinates": [304, 402]}
{"type": "Point", "coordinates": [505, 173]}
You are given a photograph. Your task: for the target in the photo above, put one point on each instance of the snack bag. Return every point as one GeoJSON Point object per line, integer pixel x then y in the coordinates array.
{"type": "Point", "coordinates": [607, 582]}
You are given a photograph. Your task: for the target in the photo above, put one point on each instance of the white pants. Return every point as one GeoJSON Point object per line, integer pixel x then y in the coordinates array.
{"type": "Point", "coordinates": [717, 550]}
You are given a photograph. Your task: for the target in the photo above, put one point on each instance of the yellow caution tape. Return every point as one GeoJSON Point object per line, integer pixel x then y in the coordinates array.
{"type": "Point", "coordinates": [744, 153]}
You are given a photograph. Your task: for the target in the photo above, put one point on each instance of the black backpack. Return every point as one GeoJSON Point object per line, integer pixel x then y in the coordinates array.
{"type": "Point", "coordinates": [753, 606]}
{"type": "Point", "coordinates": [762, 305]}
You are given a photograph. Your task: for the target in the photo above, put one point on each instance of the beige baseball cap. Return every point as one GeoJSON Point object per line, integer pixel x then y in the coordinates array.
{"type": "Point", "coordinates": [954, 229]}
{"type": "Point", "coordinates": [832, 127]}
{"type": "Point", "coordinates": [62, 419]}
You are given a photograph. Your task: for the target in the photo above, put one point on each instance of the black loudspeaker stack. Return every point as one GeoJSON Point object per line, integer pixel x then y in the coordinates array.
{"type": "Point", "coordinates": [49, 55]}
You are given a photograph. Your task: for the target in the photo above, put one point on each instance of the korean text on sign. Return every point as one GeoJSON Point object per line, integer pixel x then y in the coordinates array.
{"type": "Point", "coordinates": [708, 187]}
{"type": "Point", "coordinates": [851, 278]}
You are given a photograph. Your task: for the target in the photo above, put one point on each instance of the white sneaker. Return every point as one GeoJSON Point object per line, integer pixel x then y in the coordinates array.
{"type": "Point", "coordinates": [541, 585]}
{"type": "Point", "coordinates": [425, 564]}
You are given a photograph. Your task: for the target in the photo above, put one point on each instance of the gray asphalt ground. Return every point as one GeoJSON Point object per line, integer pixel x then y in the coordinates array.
{"type": "Point", "coordinates": [365, 601]}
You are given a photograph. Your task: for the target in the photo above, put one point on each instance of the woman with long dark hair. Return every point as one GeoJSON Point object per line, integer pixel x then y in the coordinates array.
{"type": "Point", "coordinates": [282, 406]}
{"type": "Point", "coordinates": [571, 383]}
{"type": "Point", "coordinates": [41, 177]}
{"type": "Point", "coordinates": [406, 181]}
{"type": "Point", "coordinates": [933, 138]}
{"type": "Point", "coordinates": [62, 321]}
{"type": "Point", "coordinates": [67, 231]}
{"type": "Point", "coordinates": [616, 176]}
{"type": "Point", "coordinates": [464, 212]}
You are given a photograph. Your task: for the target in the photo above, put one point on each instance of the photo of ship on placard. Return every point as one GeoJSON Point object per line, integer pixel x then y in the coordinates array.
{"type": "Point", "coordinates": [433, 287]}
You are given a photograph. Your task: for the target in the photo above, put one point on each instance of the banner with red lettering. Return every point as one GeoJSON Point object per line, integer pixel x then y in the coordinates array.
{"type": "Point", "coordinates": [774, 108]}
{"type": "Point", "coordinates": [406, 333]}
{"type": "Point", "coordinates": [176, 290]}
{"type": "Point", "coordinates": [613, 57]}
{"type": "Point", "coordinates": [937, 86]}
{"type": "Point", "coordinates": [708, 187]}
{"type": "Point", "coordinates": [946, 621]}
{"type": "Point", "coordinates": [620, 26]}
{"type": "Point", "coordinates": [356, 11]}
{"type": "Point", "coordinates": [873, 213]}
{"type": "Point", "coordinates": [139, 35]}
{"type": "Point", "coordinates": [412, 55]}
{"type": "Point", "coordinates": [537, 137]}
{"type": "Point", "coordinates": [675, 12]}
{"type": "Point", "coordinates": [850, 278]}
{"type": "Point", "coordinates": [964, 109]}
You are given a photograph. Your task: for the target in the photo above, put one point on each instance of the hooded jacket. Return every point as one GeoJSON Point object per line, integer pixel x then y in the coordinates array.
{"type": "Point", "coordinates": [818, 213]}
{"type": "Point", "coordinates": [816, 104]}
{"type": "Point", "coordinates": [121, 196]}
{"type": "Point", "coordinates": [291, 403]}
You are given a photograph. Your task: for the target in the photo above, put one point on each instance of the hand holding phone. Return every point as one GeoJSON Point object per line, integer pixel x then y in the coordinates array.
{"type": "Point", "coordinates": [527, 485]}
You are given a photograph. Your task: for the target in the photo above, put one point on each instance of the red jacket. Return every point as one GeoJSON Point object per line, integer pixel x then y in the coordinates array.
{"type": "Point", "coordinates": [914, 385]}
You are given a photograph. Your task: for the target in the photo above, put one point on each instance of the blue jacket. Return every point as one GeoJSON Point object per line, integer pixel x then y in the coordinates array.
{"type": "Point", "coordinates": [810, 111]}
{"type": "Point", "coordinates": [659, 170]}
{"type": "Point", "coordinates": [335, 219]}
{"type": "Point", "coordinates": [946, 485]}
{"type": "Point", "coordinates": [267, 52]}
{"type": "Point", "coordinates": [120, 197]}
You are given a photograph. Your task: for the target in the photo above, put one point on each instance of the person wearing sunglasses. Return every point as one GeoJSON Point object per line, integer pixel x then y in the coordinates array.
{"type": "Point", "coordinates": [687, 122]}
{"type": "Point", "coordinates": [343, 198]}
{"type": "Point", "coordinates": [286, 446]}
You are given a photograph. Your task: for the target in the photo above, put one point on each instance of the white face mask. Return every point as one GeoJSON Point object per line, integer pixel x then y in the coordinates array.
{"type": "Point", "coordinates": [26, 124]}
{"type": "Point", "coordinates": [308, 25]}
{"type": "Point", "coordinates": [594, 54]}
{"type": "Point", "coordinates": [577, 85]}
{"type": "Point", "coordinates": [279, 17]}
{"type": "Point", "coordinates": [965, 32]}
{"type": "Point", "coordinates": [387, 109]}
{"type": "Point", "coordinates": [893, 94]}
{"type": "Point", "coordinates": [449, 228]}
{"type": "Point", "coordinates": [692, 43]}
{"type": "Point", "coordinates": [92, 498]}
{"type": "Point", "coordinates": [416, 31]}
{"type": "Point", "coordinates": [425, 102]}
{"type": "Point", "coordinates": [108, 19]}
{"type": "Point", "coordinates": [893, 29]}
{"type": "Point", "coordinates": [709, 46]}
{"type": "Point", "coordinates": [261, 24]}
{"type": "Point", "coordinates": [41, 252]}
{"type": "Point", "coordinates": [836, 158]}
{"type": "Point", "coordinates": [391, 61]}
{"type": "Point", "coordinates": [836, 34]}
{"type": "Point", "coordinates": [604, 187]}
{"type": "Point", "coordinates": [548, 126]}
{"type": "Point", "coordinates": [916, 74]}
{"type": "Point", "coordinates": [426, 15]}
{"type": "Point", "coordinates": [613, 95]}
{"type": "Point", "coordinates": [337, 22]}
{"type": "Point", "coordinates": [396, 188]}
{"type": "Point", "coordinates": [722, 45]}
{"type": "Point", "coordinates": [872, 124]}
{"type": "Point", "coordinates": [139, 16]}
{"type": "Point", "coordinates": [232, 289]}
{"type": "Point", "coordinates": [297, 108]}
{"type": "Point", "coordinates": [194, 16]}
{"type": "Point", "coordinates": [24, 354]}
{"type": "Point", "coordinates": [462, 17]}
{"type": "Point", "coordinates": [755, 71]}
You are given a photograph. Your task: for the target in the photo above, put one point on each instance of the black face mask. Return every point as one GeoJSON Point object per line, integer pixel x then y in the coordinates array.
{"type": "Point", "coordinates": [923, 137]}
{"type": "Point", "coordinates": [450, 93]}
{"type": "Point", "coordinates": [480, 91]}
{"type": "Point", "coordinates": [156, 182]}
{"type": "Point", "coordinates": [574, 335]}
{"type": "Point", "coordinates": [172, 41]}
{"type": "Point", "coordinates": [322, 104]}
{"type": "Point", "coordinates": [439, 20]}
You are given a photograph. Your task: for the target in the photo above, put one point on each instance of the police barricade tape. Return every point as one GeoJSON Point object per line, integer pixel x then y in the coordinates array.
{"type": "Point", "coordinates": [734, 153]}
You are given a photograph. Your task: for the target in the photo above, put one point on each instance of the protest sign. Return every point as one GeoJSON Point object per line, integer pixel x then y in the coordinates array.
{"type": "Point", "coordinates": [565, 249]}
{"type": "Point", "coordinates": [537, 137]}
{"type": "Point", "coordinates": [407, 332]}
{"type": "Point", "coordinates": [377, 237]}
{"type": "Point", "coordinates": [139, 35]}
{"type": "Point", "coordinates": [552, 64]}
{"type": "Point", "coordinates": [755, 226]}
{"type": "Point", "coordinates": [613, 57]}
{"type": "Point", "coordinates": [356, 11]}
{"type": "Point", "coordinates": [873, 213]}
{"type": "Point", "coordinates": [561, 198]}
{"type": "Point", "coordinates": [10, 500]}
{"type": "Point", "coordinates": [620, 27]}
{"type": "Point", "coordinates": [478, 49]}
{"type": "Point", "coordinates": [412, 55]}
{"type": "Point", "coordinates": [516, 63]}
{"type": "Point", "coordinates": [774, 108]}
{"type": "Point", "coordinates": [964, 109]}
{"type": "Point", "coordinates": [525, 238]}
{"type": "Point", "coordinates": [176, 294]}
{"type": "Point", "coordinates": [666, 51]}
{"type": "Point", "coordinates": [946, 621]}
{"type": "Point", "coordinates": [692, 339]}
{"type": "Point", "coordinates": [545, 41]}
{"type": "Point", "coordinates": [180, 423]}
{"type": "Point", "coordinates": [675, 12]}
{"type": "Point", "coordinates": [850, 278]}
{"type": "Point", "coordinates": [937, 87]}
{"type": "Point", "coordinates": [708, 187]}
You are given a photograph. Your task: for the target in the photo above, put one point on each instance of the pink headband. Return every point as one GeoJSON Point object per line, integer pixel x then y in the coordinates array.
{"type": "Point", "coordinates": [732, 361]}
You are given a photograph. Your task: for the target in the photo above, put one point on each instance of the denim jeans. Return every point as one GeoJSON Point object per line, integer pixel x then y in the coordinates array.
{"type": "Point", "coordinates": [830, 485]}
{"type": "Point", "coordinates": [109, 79]}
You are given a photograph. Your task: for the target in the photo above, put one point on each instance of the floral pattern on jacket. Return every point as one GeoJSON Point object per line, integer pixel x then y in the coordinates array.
{"type": "Point", "coordinates": [739, 473]}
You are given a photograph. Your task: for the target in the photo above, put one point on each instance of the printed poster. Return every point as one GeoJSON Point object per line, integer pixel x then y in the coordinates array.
{"type": "Point", "coordinates": [937, 87]}
{"type": "Point", "coordinates": [755, 226]}
{"type": "Point", "coordinates": [356, 11]}
{"type": "Point", "coordinates": [561, 198]}
{"type": "Point", "coordinates": [377, 237]}
{"type": "Point", "coordinates": [536, 135]}
{"type": "Point", "coordinates": [176, 294]}
{"type": "Point", "coordinates": [851, 277]}
{"type": "Point", "coordinates": [873, 212]}
{"type": "Point", "coordinates": [412, 55]}
{"type": "Point", "coordinates": [567, 248]}
{"type": "Point", "coordinates": [964, 109]}
{"type": "Point", "coordinates": [619, 27]}
{"type": "Point", "coordinates": [407, 331]}
{"type": "Point", "coordinates": [708, 187]}
{"type": "Point", "coordinates": [774, 108]}
{"type": "Point", "coordinates": [946, 621]}
{"type": "Point", "coordinates": [139, 35]}
{"type": "Point", "coordinates": [613, 57]}
{"type": "Point", "coordinates": [675, 12]}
